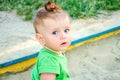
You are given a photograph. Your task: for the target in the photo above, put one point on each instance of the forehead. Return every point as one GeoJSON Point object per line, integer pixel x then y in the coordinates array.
{"type": "Point", "coordinates": [58, 21]}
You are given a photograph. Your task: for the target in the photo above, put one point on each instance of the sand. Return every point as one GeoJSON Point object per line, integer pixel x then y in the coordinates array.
{"type": "Point", "coordinates": [99, 60]}
{"type": "Point", "coordinates": [92, 61]}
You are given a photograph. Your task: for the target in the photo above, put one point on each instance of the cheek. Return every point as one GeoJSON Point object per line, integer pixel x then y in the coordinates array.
{"type": "Point", "coordinates": [51, 39]}
{"type": "Point", "coordinates": [69, 40]}
{"type": "Point", "coordinates": [69, 37]}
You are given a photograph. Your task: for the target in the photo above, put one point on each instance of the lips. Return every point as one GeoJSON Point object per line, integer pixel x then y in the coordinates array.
{"type": "Point", "coordinates": [64, 43]}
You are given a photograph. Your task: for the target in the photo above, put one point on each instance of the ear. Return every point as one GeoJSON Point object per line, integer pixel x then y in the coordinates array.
{"type": "Point", "coordinates": [40, 38]}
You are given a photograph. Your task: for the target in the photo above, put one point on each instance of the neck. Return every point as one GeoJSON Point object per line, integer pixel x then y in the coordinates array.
{"type": "Point", "coordinates": [55, 51]}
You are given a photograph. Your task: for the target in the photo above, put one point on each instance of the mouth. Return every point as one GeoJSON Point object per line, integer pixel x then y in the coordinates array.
{"type": "Point", "coordinates": [64, 43]}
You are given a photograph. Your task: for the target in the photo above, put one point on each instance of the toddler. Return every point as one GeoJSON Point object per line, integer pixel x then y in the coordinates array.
{"type": "Point", "coordinates": [52, 26]}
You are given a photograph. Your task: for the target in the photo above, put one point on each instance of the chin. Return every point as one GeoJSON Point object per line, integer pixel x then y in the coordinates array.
{"type": "Point", "coordinates": [63, 49]}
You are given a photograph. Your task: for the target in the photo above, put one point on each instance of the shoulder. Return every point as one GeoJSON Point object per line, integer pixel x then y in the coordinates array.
{"type": "Point", "coordinates": [45, 56]}
{"type": "Point", "coordinates": [48, 60]}
{"type": "Point", "coordinates": [48, 63]}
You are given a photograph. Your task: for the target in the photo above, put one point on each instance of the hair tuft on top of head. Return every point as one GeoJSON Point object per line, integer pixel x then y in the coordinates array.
{"type": "Point", "coordinates": [50, 6]}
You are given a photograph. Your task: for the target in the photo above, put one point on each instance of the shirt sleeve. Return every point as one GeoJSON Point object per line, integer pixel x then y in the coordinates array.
{"type": "Point", "coordinates": [49, 65]}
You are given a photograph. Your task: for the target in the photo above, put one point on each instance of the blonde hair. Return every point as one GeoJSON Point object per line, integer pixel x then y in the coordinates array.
{"type": "Point", "coordinates": [50, 10]}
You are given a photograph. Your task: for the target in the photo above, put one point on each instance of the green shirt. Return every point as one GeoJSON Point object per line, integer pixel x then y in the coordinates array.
{"type": "Point", "coordinates": [50, 62]}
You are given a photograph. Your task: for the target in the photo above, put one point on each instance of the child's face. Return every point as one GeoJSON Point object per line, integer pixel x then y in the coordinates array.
{"type": "Point", "coordinates": [56, 33]}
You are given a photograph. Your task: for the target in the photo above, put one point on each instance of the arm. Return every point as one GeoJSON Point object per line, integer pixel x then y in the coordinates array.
{"type": "Point", "coordinates": [47, 76]}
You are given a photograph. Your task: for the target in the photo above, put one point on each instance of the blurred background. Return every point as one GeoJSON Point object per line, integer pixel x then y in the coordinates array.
{"type": "Point", "coordinates": [76, 8]}
{"type": "Point", "coordinates": [95, 59]}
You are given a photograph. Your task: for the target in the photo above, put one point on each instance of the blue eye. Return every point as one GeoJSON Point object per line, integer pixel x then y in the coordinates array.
{"type": "Point", "coordinates": [55, 33]}
{"type": "Point", "coordinates": [66, 30]}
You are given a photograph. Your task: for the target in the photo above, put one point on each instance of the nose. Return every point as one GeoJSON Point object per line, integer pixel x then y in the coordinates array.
{"type": "Point", "coordinates": [63, 36]}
